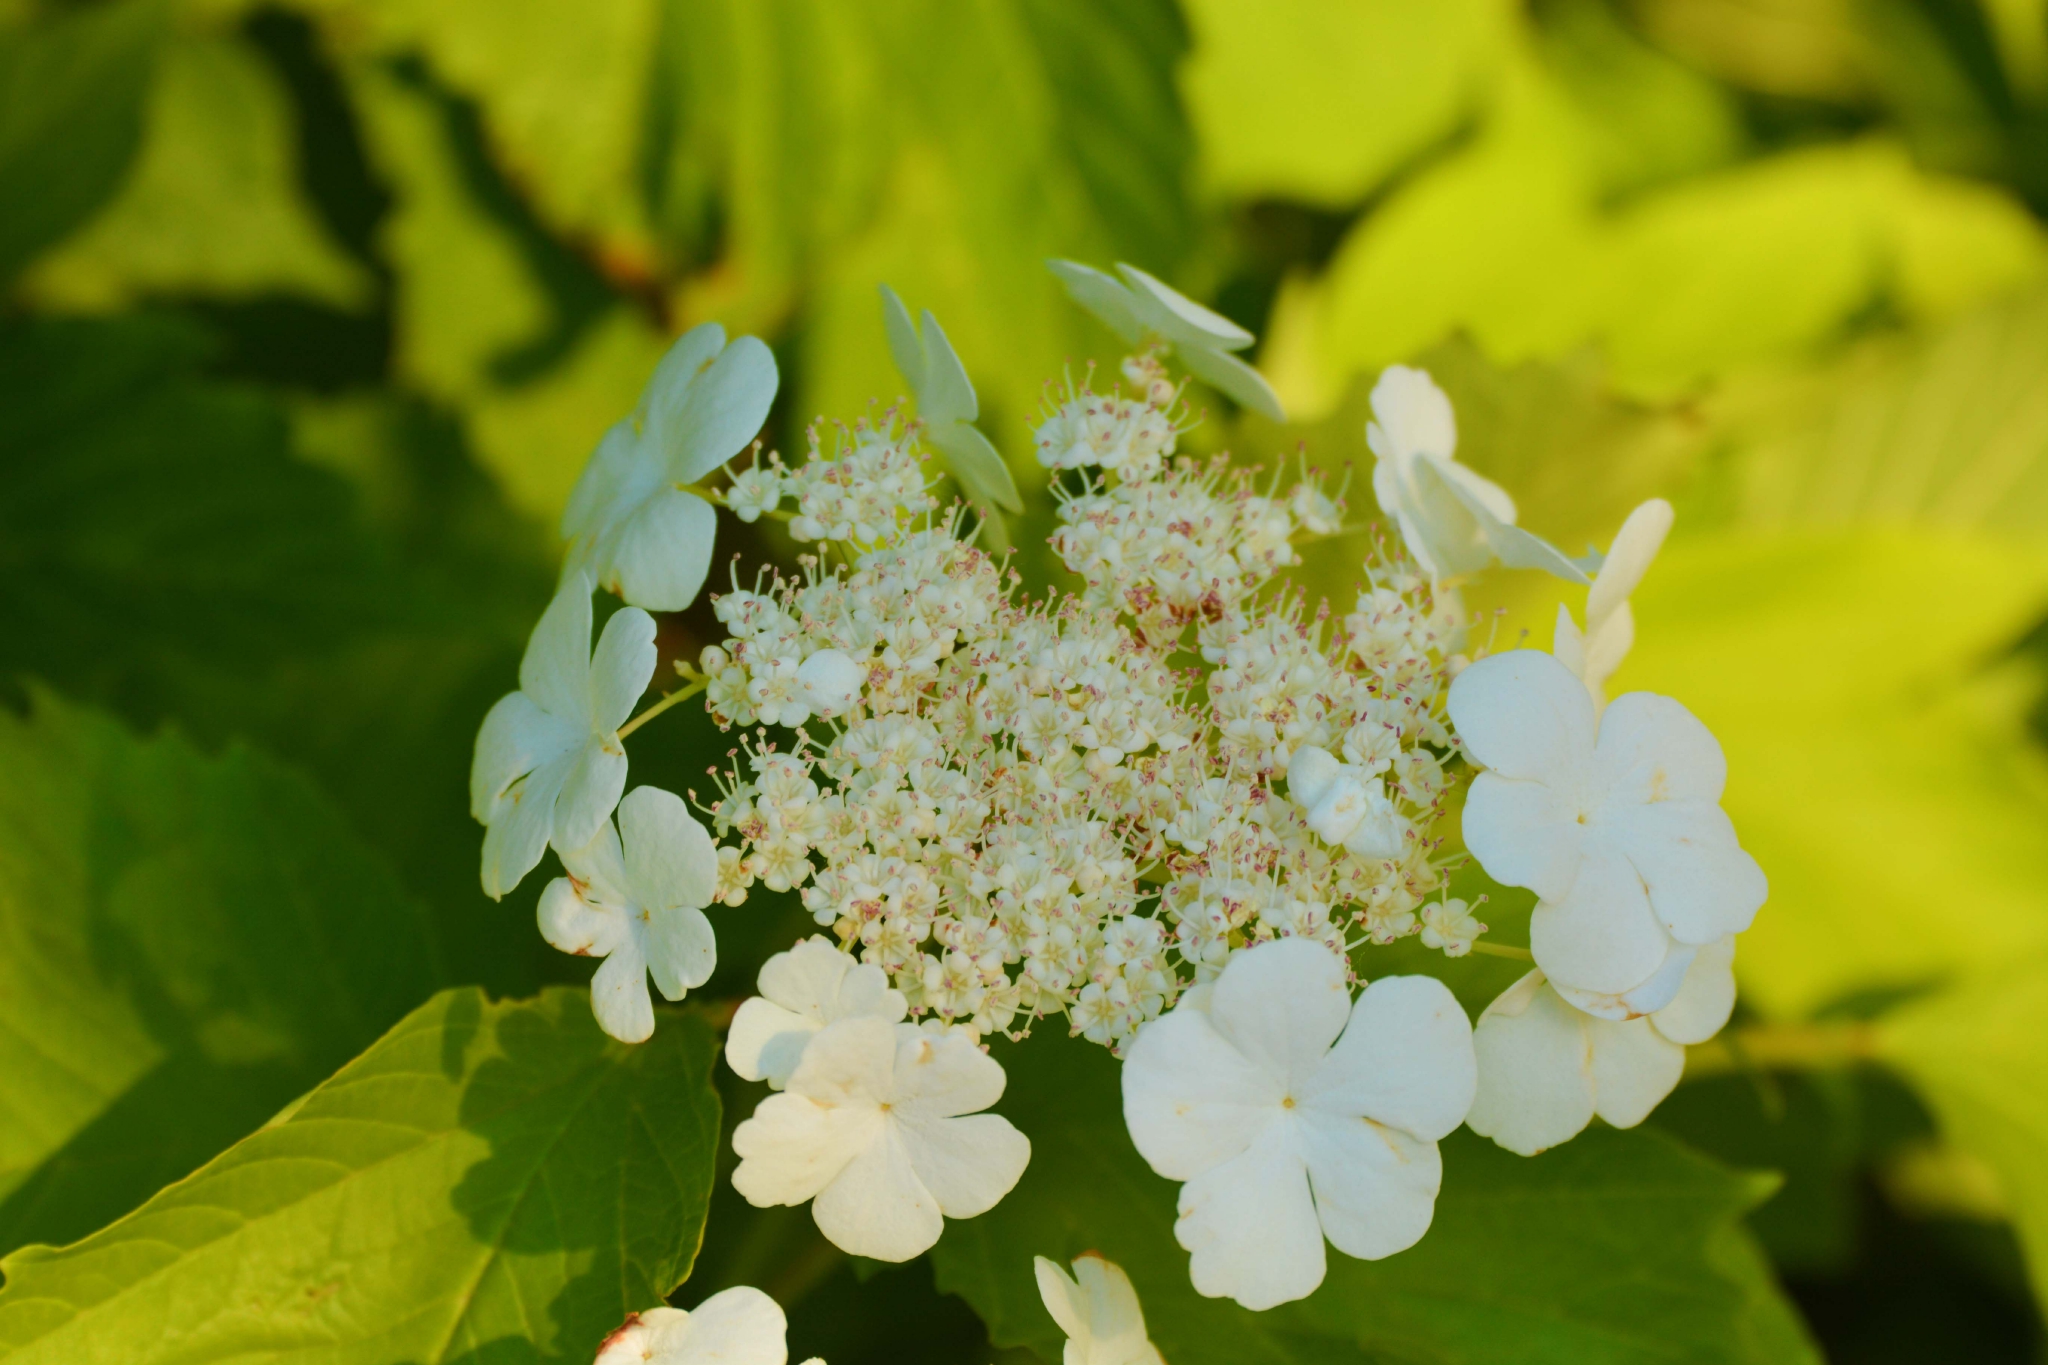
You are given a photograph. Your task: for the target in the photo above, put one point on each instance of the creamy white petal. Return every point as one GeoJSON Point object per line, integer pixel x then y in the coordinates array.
{"type": "Point", "coordinates": [1436, 522]}
{"type": "Point", "coordinates": [555, 670]}
{"type": "Point", "coordinates": [1191, 1100]}
{"type": "Point", "coordinates": [1634, 1068]}
{"type": "Point", "coordinates": [1062, 1298]}
{"type": "Point", "coordinates": [1405, 1060]}
{"type": "Point", "coordinates": [669, 857]}
{"type": "Point", "coordinates": [622, 470]}
{"type": "Point", "coordinates": [1524, 834]}
{"type": "Point", "coordinates": [1652, 749]}
{"type": "Point", "coordinates": [517, 737]}
{"type": "Point", "coordinates": [1102, 294]}
{"type": "Point", "coordinates": [659, 552]}
{"type": "Point", "coordinates": [1477, 492]}
{"type": "Point", "coordinates": [1310, 771]}
{"type": "Point", "coordinates": [618, 995]}
{"type": "Point", "coordinates": [682, 950]}
{"type": "Point", "coordinates": [1603, 936]}
{"type": "Point", "coordinates": [1281, 1004]}
{"type": "Point", "coordinates": [590, 792]}
{"type": "Point", "coordinates": [572, 924]}
{"type": "Point", "coordinates": [792, 1148]}
{"type": "Point", "coordinates": [1251, 1226]}
{"type": "Point", "coordinates": [1522, 714]}
{"type": "Point", "coordinates": [736, 1326]}
{"type": "Point", "coordinates": [1535, 1069]}
{"type": "Point", "coordinates": [1706, 997]}
{"type": "Point", "coordinates": [1375, 1186]}
{"type": "Point", "coordinates": [1635, 546]}
{"type": "Point", "coordinates": [766, 1041]}
{"type": "Point", "coordinates": [876, 1206]}
{"type": "Point", "coordinates": [719, 413]}
{"type": "Point", "coordinates": [967, 1164]}
{"type": "Point", "coordinates": [1411, 415]}
{"type": "Point", "coordinates": [851, 1063]}
{"type": "Point", "coordinates": [621, 667]}
{"type": "Point", "coordinates": [1654, 993]}
{"type": "Point", "coordinates": [1179, 318]}
{"type": "Point", "coordinates": [939, 1077]}
{"type": "Point", "coordinates": [1236, 380]}
{"type": "Point", "coordinates": [1702, 885]}
{"type": "Point", "coordinates": [520, 825]}
{"type": "Point", "coordinates": [946, 394]}
{"type": "Point", "coordinates": [1339, 809]}
{"type": "Point", "coordinates": [600, 864]}
{"type": "Point", "coordinates": [669, 387]}
{"type": "Point", "coordinates": [807, 978]}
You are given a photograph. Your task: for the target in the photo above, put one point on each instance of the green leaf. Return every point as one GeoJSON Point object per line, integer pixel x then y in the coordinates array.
{"type": "Point", "coordinates": [71, 118]}
{"type": "Point", "coordinates": [489, 1180]}
{"type": "Point", "coordinates": [189, 943]}
{"type": "Point", "coordinates": [212, 206]}
{"type": "Point", "coordinates": [1979, 1055]}
{"type": "Point", "coordinates": [1615, 1247]}
{"type": "Point", "coordinates": [153, 523]}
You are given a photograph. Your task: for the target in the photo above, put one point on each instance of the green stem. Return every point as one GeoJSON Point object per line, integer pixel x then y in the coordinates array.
{"type": "Point", "coordinates": [1504, 950]}
{"type": "Point", "coordinates": [680, 694]}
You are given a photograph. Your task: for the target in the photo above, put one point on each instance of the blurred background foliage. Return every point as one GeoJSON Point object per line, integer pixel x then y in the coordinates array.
{"type": "Point", "coordinates": [316, 308]}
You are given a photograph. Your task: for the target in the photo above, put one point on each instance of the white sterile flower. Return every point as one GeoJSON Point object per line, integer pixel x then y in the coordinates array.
{"type": "Point", "coordinates": [1139, 304]}
{"type": "Point", "coordinates": [880, 1128]}
{"type": "Point", "coordinates": [946, 404]}
{"type": "Point", "coordinates": [1098, 1310]}
{"type": "Point", "coordinates": [1449, 925]}
{"type": "Point", "coordinates": [631, 521]}
{"type": "Point", "coordinates": [635, 896]}
{"type": "Point", "coordinates": [737, 1326]}
{"type": "Point", "coordinates": [1614, 822]}
{"type": "Point", "coordinates": [830, 681]}
{"type": "Point", "coordinates": [1345, 805]}
{"type": "Point", "coordinates": [1257, 1101]}
{"type": "Point", "coordinates": [1545, 1068]}
{"type": "Point", "coordinates": [754, 491]}
{"type": "Point", "coordinates": [802, 990]}
{"type": "Point", "coordinates": [1610, 631]}
{"type": "Point", "coordinates": [549, 764]}
{"type": "Point", "coordinates": [1452, 520]}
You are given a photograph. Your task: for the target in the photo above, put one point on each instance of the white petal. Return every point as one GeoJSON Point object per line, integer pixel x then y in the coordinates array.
{"type": "Point", "coordinates": [600, 865]}
{"type": "Point", "coordinates": [1101, 294]}
{"type": "Point", "coordinates": [1310, 771]}
{"type": "Point", "coordinates": [1514, 547]}
{"type": "Point", "coordinates": [1375, 1186]}
{"type": "Point", "coordinates": [1525, 716]}
{"type": "Point", "coordinates": [1481, 496]}
{"type": "Point", "coordinates": [1535, 1069]}
{"type": "Point", "coordinates": [1435, 521]}
{"type": "Point", "coordinates": [944, 1076]}
{"type": "Point", "coordinates": [806, 978]}
{"type": "Point", "coordinates": [766, 1041]}
{"type": "Point", "coordinates": [1653, 993]}
{"type": "Point", "coordinates": [1634, 1068]}
{"type": "Point", "coordinates": [669, 857]}
{"type": "Point", "coordinates": [736, 1326]}
{"type": "Point", "coordinates": [1705, 998]}
{"type": "Point", "coordinates": [1179, 318]}
{"type": "Point", "coordinates": [520, 826]}
{"type": "Point", "coordinates": [1567, 644]}
{"type": "Point", "coordinates": [720, 411]}
{"type": "Point", "coordinates": [1701, 883]}
{"type": "Point", "coordinates": [590, 792]}
{"type": "Point", "coordinates": [791, 1148]}
{"type": "Point", "coordinates": [1236, 380]}
{"type": "Point", "coordinates": [967, 1164]}
{"type": "Point", "coordinates": [618, 996]}
{"type": "Point", "coordinates": [906, 347]}
{"type": "Point", "coordinates": [877, 1206]}
{"type": "Point", "coordinates": [661, 551]}
{"type": "Point", "coordinates": [850, 1063]}
{"type": "Point", "coordinates": [947, 394]}
{"type": "Point", "coordinates": [1191, 1100]}
{"type": "Point", "coordinates": [1113, 1314]}
{"type": "Point", "coordinates": [517, 737]}
{"type": "Point", "coordinates": [1062, 1298]}
{"type": "Point", "coordinates": [669, 386]}
{"type": "Point", "coordinates": [621, 667]}
{"type": "Point", "coordinates": [1340, 808]}
{"type": "Point", "coordinates": [1635, 546]}
{"type": "Point", "coordinates": [1524, 834]}
{"type": "Point", "coordinates": [1281, 1004]}
{"type": "Point", "coordinates": [1603, 936]}
{"type": "Point", "coordinates": [831, 681]}
{"type": "Point", "coordinates": [555, 670]}
{"type": "Point", "coordinates": [866, 990]}
{"type": "Point", "coordinates": [682, 950]}
{"type": "Point", "coordinates": [1384, 832]}
{"type": "Point", "coordinates": [621, 471]}
{"type": "Point", "coordinates": [976, 464]}
{"type": "Point", "coordinates": [572, 924]}
{"type": "Point", "coordinates": [1405, 1060]}
{"type": "Point", "coordinates": [1652, 750]}
{"type": "Point", "coordinates": [1252, 1227]}
{"type": "Point", "coordinates": [1412, 414]}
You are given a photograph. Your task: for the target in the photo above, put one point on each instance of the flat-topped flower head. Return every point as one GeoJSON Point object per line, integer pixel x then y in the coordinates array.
{"type": "Point", "coordinates": [632, 522]}
{"type": "Point", "coordinates": [1452, 520]}
{"type": "Point", "coordinates": [549, 766]}
{"type": "Point", "coordinates": [1597, 651]}
{"type": "Point", "coordinates": [1546, 1068]}
{"type": "Point", "coordinates": [635, 896]}
{"type": "Point", "coordinates": [880, 1129]}
{"type": "Point", "coordinates": [1294, 1114]}
{"type": "Point", "coordinates": [1098, 1310]}
{"type": "Point", "coordinates": [803, 990]}
{"type": "Point", "coordinates": [1614, 822]}
{"type": "Point", "coordinates": [737, 1326]}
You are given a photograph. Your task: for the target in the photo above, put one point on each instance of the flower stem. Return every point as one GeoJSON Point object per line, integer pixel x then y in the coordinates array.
{"type": "Point", "coordinates": [1817, 1046]}
{"type": "Point", "coordinates": [680, 694]}
{"type": "Point", "coordinates": [1504, 950]}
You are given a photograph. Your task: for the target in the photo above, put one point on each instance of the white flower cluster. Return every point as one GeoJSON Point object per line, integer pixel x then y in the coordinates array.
{"type": "Point", "coordinates": [1167, 807]}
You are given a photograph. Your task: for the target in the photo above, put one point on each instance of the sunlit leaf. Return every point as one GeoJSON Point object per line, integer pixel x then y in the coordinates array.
{"type": "Point", "coordinates": [1616, 1247]}
{"type": "Point", "coordinates": [212, 205]}
{"type": "Point", "coordinates": [488, 1178]}
{"type": "Point", "coordinates": [189, 944]}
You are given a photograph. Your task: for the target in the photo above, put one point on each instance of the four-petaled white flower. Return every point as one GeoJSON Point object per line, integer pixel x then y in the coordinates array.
{"type": "Point", "coordinates": [635, 896]}
{"type": "Point", "coordinates": [737, 1326]}
{"type": "Point", "coordinates": [632, 522]}
{"type": "Point", "coordinates": [1098, 1310]}
{"type": "Point", "coordinates": [1452, 520]}
{"type": "Point", "coordinates": [1346, 805]}
{"type": "Point", "coordinates": [1285, 1131]}
{"type": "Point", "coordinates": [880, 1129]}
{"type": "Point", "coordinates": [803, 990]}
{"type": "Point", "coordinates": [1140, 305]}
{"type": "Point", "coordinates": [1546, 1068]}
{"type": "Point", "coordinates": [1610, 630]}
{"type": "Point", "coordinates": [549, 765]}
{"type": "Point", "coordinates": [1614, 822]}
{"type": "Point", "coordinates": [1450, 926]}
